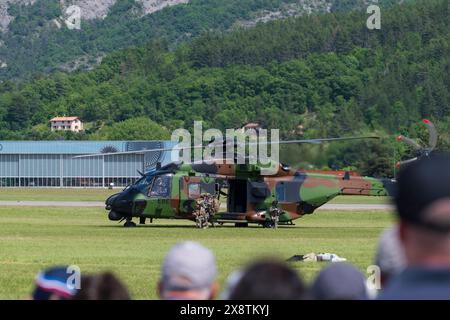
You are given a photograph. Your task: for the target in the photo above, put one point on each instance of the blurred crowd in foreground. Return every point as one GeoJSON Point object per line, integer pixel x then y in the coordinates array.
{"type": "Point", "coordinates": [413, 257]}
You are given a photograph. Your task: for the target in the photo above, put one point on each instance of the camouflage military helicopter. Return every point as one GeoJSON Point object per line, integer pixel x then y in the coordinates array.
{"type": "Point", "coordinates": [246, 190]}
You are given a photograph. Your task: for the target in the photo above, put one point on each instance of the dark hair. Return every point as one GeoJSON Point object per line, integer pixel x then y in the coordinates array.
{"type": "Point", "coordinates": [269, 280]}
{"type": "Point", "coordinates": [104, 286]}
{"type": "Point", "coordinates": [339, 281]}
{"type": "Point", "coordinates": [420, 184]}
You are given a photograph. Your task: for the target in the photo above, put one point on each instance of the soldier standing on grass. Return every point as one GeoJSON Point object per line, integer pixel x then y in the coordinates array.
{"type": "Point", "coordinates": [212, 207]}
{"type": "Point", "coordinates": [207, 207]}
{"type": "Point", "coordinates": [274, 213]}
{"type": "Point", "coordinates": [200, 213]}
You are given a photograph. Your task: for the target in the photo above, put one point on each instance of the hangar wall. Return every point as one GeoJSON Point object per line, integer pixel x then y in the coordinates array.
{"type": "Point", "coordinates": [52, 163]}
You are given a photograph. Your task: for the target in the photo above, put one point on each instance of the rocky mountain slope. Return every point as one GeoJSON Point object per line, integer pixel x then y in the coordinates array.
{"type": "Point", "coordinates": [90, 9]}
{"type": "Point", "coordinates": [34, 38]}
{"type": "Point", "coordinates": [5, 17]}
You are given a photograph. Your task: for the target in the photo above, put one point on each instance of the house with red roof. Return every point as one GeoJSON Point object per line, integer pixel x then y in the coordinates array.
{"type": "Point", "coordinates": [73, 124]}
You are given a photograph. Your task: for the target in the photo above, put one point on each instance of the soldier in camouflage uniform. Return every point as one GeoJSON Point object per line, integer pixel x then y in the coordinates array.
{"type": "Point", "coordinates": [212, 207]}
{"type": "Point", "coordinates": [200, 213]}
{"type": "Point", "coordinates": [274, 213]}
{"type": "Point", "coordinates": [207, 207]}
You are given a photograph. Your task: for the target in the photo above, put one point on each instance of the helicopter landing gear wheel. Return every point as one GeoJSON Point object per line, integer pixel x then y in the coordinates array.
{"type": "Point", "coordinates": [268, 224]}
{"type": "Point", "coordinates": [129, 224]}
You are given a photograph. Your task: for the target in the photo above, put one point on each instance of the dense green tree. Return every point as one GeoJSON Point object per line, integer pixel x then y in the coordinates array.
{"type": "Point", "coordinates": [133, 129]}
{"type": "Point", "coordinates": [284, 74]}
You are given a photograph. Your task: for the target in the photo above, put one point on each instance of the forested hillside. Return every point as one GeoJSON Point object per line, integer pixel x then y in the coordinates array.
{"type": "Point", "coordinates": [31, 41]}
{"type": "Point", "coordinates": [327, 73]}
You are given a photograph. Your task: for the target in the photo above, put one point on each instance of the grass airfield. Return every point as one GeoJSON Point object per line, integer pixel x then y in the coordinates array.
{"type": "Point", "coordinates": [33, 238]}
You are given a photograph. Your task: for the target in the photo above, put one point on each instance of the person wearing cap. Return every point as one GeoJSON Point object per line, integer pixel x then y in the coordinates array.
{"type": "Point", "coordinates": [423, 207]}
{"type": "Point", "coordinates": [390, 256]}
{"type": "Point", "coordinates": [339, 281]}
{"type": "Point", "coordinates": [54, 284]}
{"type": "Point", "coordinates": [188, 273]}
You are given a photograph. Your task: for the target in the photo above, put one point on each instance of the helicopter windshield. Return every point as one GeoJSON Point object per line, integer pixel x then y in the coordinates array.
{"type": "Point", "coordinates": [160, 187]}
{"type": "Point", "coordinates": [144, 183]}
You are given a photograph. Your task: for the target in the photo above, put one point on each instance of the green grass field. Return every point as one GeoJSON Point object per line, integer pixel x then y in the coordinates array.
{"type": "Point", "coordinates": [34, 238]}
{"type": "Point", "coordinates": [56, 194]}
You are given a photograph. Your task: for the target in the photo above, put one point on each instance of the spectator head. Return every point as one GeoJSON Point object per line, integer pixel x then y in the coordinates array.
{"type": "Point", "coordinates": [104, 286]}
{"type": "Point", "coordinates": [268, 280]}
{"type": "Point", "coordinates": [230, 284]}
{"type": "Point", "coordinates": [390, 256]}
{"type": "Point", "coordinates": [339, 281]}
{"type": "Point", "coordinates": [54, 284]}
{"type": "Point", "coordinates": [423, 206]}
{"type": "Point", "coordinates": [188, 273]}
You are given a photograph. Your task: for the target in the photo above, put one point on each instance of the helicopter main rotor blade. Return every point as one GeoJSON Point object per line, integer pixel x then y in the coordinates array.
{"type": "Point", "coordinates": [433, 139]}
{"type": "Point", "coordinates": [305, 141]}
{"type": "Point", "coordinates": [409, 142]}
{"type": "Point", "coordinates": [143, 151]}
{"type": "Point", "coordinates": [402, 163]}
{"type": "Point", "coordinates": [315, 141]}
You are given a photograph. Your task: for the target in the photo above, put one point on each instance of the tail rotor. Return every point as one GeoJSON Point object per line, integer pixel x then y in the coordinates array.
{"type": "Point", "coordinates": [433, 139]}
{"type": "Point", "coordinates": [420, 150]}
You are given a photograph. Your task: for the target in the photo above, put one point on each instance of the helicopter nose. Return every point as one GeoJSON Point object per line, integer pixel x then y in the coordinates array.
{"type": "Point", "coordinates": [120, 203]}
{"type": "Point", "coordinates": [110, 201]}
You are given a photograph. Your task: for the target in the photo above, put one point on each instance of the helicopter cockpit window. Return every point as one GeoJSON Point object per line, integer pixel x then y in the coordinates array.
{"type": "Point", "coordinates": [160, 187]}
{"type": "Point", "coordinates": [143, 184]}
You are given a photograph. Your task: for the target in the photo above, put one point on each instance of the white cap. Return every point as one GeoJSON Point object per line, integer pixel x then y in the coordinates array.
{"type": "Point", "coordinates": [188, 265]}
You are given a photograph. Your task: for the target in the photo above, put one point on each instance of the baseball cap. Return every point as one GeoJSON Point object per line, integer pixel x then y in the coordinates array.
{"type": "Point", "coordinates": [421, 184]}
{"type": "Point", "coordinates": [340, 281]}
{"type": "Point", "coordinates": [53, 282]}
{"type": "Point", "coordinates": [188, 266]}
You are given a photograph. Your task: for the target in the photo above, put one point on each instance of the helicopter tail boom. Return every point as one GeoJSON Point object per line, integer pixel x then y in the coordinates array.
{"type": "Point", "coordinates": [367, 186]}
